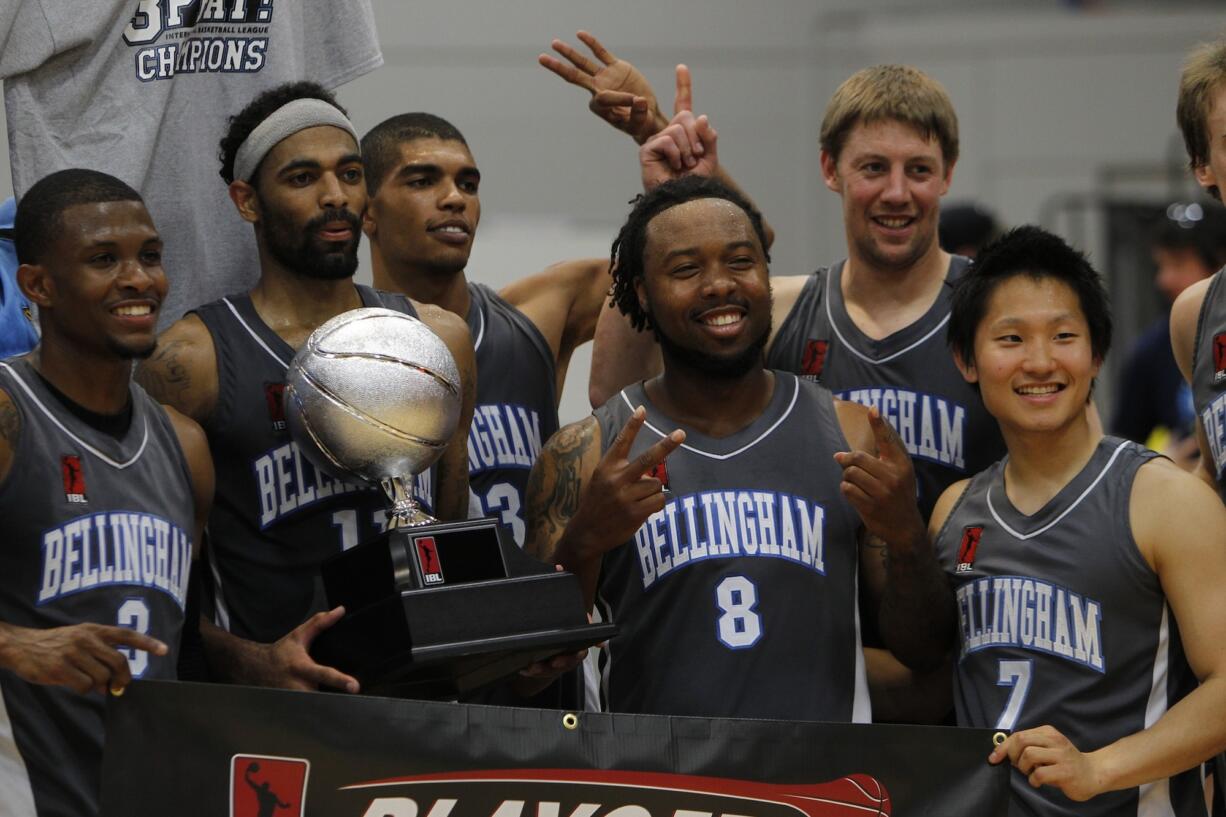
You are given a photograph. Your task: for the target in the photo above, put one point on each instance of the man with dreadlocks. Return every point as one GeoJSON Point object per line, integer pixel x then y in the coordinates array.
{"type": "Point", "coordinates": [730, 567]}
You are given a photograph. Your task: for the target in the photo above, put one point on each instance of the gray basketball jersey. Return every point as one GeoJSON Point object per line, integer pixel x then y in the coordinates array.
{"type": "Point", "coordinates": [96, 529]}
{"type": "Point", "coordinates": [1209, 376]}
{"type": "Point", "coordinates": [1062, 622]}
{"type": "Point", "coordinates": [516, 407]}
{"type": "Point", "coordinates": [910, 377]}
{"type": "Point", "coordinates": [275, 517]}
{"type": "Point", "coordinates": [739, 598]}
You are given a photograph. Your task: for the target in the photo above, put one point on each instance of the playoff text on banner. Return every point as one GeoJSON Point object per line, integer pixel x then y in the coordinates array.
{"type": "Point", "coordinates": [214, 750]}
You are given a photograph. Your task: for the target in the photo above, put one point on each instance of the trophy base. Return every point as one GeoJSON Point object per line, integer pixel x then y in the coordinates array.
{"type": "Point", "coordinates": [496, 611]}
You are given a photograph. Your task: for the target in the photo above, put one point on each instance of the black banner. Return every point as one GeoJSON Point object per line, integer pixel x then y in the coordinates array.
{"type": "Point", "coordinates": [203, 749]}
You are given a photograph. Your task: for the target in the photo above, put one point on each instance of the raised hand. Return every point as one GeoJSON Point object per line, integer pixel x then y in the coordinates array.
{"type": "Point", "coordinates": [621, 95]}
{"type": "Point", "coordinates": [687, 145]}
{"type": "Point", "coordinates": [1048, 758]}
{"type": "Point", "coordinates": [618, 496]}
{"type": "Point", "coordinates": [82, 657]}
{"type": "Point", "coordinates": [881, 487]}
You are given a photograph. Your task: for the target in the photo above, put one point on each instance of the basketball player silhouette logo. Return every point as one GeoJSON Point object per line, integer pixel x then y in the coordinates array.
{"type": "Point", "coordinates": [966, 550]}
{"type": "Point", "coordinates": [427, 558]}
{"type": "Point", "coordinates": [74, 479]}
{"type": "Point", "coordinates": [814, 358]}
{"type": "Point", "coordinates": [263, 786]}
{"type": "Point", "coordinates": [1219, 357]}
{"type": "Point", "coordinates": [274, 394]}
{"type": "Point", "coordinates": [269, 802]}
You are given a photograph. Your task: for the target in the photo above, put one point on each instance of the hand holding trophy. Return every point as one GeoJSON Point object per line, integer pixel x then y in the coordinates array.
{"type": "Point", "coordinates": [432, 609]}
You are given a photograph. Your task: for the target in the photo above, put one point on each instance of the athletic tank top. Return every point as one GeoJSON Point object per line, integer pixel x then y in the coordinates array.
{"type": "Point", "coordinates": [1062, 622]}
{"type": "Point", "coordinates": [1209, 376]}
{"type": "Point", "coordinates": [739, 598]}
{"type": "Point", "coordinates": [910, 377]}
{"type": "Point", "coordinates": [516, 409]}
{"type": "Point", "coordinates": [96, 529]}
{"type": "Point", "coordinates": [275, 516]}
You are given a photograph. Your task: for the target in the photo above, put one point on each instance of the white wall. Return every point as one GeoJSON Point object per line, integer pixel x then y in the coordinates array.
{"type": "Point", "coordinates": [1049, 99]}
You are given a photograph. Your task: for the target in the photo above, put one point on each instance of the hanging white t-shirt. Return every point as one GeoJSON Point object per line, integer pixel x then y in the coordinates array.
{"type": "Point", "coordinates": [143, 90]}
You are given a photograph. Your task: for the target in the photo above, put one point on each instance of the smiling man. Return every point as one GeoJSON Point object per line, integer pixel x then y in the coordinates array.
{"type": "Point", "coordinates": [1088, 571]}
{"type": "Point", "coordinates": [294, 172]}
{"type": "Point", "coordinates": [425, 206]}
{"type": "Point", "coordinates": [87, 459]}
{"type": "Point", "coordinates": [868, 327]}
{"type": "Point", "coordinates": [704, 510]}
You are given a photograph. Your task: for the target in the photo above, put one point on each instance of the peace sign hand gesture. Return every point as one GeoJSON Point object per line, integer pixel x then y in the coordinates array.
{"type": "Point", "coordinates": [619, 497]}
{"type": "Point", "coordinates": [621, 95]}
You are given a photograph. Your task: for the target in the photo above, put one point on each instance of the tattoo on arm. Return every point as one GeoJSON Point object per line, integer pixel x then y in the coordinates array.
{"type": "Point", "coordinates": [882, 550]}
{"type": "Point", "coordinates": [165, 376]}
{"type": "Point", "coordinates": [554, 487]}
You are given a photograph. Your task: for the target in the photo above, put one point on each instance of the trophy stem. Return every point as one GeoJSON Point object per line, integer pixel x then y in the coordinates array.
{"type": "Point", "coordinates": [405, 513]}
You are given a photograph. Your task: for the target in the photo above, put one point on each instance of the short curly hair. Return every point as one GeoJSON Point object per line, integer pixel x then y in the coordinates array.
{"type": "Point", "coordinates": [259, 109]}
{"type": "Point", "coordinates": [626, 257]}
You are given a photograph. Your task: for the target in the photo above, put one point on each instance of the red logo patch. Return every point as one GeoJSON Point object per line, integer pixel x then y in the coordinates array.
{"type": "Point", "coordinates": [966, 551]}
{"type": "Point", "coordinates": [427, 558]}
{"type": "Point", "coordinates": [74, 479]}
{"type": "Point", "coordinates": [814, 358]}
{"type": "Point", "coordinates": [264, 786]}
{"type": "Point", "coordinates": [660, 472]}
{"type": "Point", "coordinates": [273, 396]}
{"type": "Point", "coordinates": [1219, 357]}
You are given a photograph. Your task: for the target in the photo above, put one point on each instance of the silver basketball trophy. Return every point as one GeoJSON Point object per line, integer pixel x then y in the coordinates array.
{"type": "Point", "coordinates": [433, 609]}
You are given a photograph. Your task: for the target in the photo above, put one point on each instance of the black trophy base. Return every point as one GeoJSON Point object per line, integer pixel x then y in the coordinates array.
{"type": "Point", "coordinates": [442, 610]}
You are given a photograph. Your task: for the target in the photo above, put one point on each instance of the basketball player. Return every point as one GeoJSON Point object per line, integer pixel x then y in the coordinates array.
{"type": "Point", "coordinates": [1198, 317]}
{"type": "Point", "coordinates": [730, 567]}
{"type": "Point", "coordinates": [291, 160]}
{"type": "Point", "coordinates": [103, 492]}
{"type": "Point", "coordinates": [1088, 570]}
{"type": "Point", "coordinates": [868, 327]}
{"type": "Point", "coordinates": [422, 220]}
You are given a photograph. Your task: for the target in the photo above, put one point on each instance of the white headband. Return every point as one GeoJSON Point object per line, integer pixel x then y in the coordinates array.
{"type": "Point", "coordinates": [282, 123]}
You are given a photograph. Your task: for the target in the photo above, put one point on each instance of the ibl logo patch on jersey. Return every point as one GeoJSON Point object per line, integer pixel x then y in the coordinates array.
{"type": "Point", "coordinates": [660, 472]}
{"type": "Point", "coordinates": [966, 551]}
{"type": "Point", "coordinates": [274, 394]}
{"type": "Point", "coordinates": [263, 785]}
{"type": "Point", "coordinates": [74, 479]}
{"type": "Point", "coordinates": [814, 358]}
{"type": "Point", "coordinates": [427, 559]}
{"type": "Point", "coordinates": [1219, 358]}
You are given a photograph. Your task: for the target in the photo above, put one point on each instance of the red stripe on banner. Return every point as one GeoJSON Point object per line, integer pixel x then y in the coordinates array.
{"type": "Point", "coordinates": [858, 794]}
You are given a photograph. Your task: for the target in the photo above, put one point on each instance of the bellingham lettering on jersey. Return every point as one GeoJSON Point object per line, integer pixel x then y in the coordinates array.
{"type": "Point", "coordinates": [115, 548]}
{"type": "Point", "coordinates": [503, 436]}
{"type": "Point", "coordinates": [1018, 611]}
{"type": "Point", "coordinates": [1213, 418]}
{"type": "Point", "coordinates": [931, 427]}
{"type": "Point", "coordinates": [289, 482]}
{"type": "Point", "coordinates": [731, 524]}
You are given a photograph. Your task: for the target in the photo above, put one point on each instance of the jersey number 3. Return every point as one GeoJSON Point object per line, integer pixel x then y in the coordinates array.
{"type": "Point", "coordinates": [134, 614]}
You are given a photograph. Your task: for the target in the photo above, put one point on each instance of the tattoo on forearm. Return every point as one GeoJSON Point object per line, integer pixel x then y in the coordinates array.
{"type": "Point", "coordinates": [554, 487]}
{"type": "Point", "coordinates": [165, 376]}
{"type": "Point", "coordinates": [874, 543]}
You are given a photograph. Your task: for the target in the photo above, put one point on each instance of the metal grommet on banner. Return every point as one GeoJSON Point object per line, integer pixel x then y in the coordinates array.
{"type": "Point", "coordinates": [999, 738]}
{"type": "Point", "coordinates": [570, 721]}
